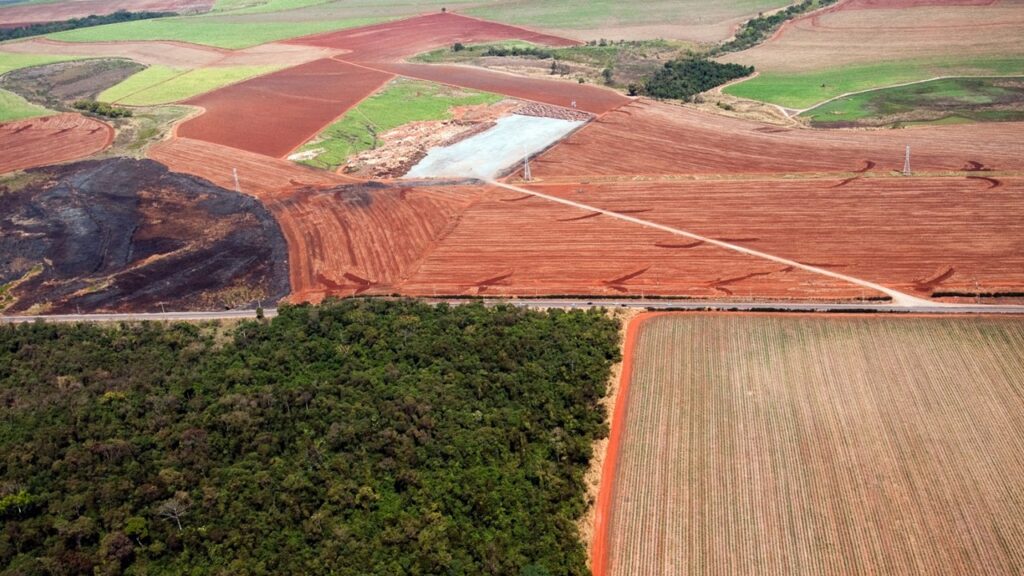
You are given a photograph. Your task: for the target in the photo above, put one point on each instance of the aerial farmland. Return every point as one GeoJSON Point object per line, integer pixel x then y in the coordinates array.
{"type": "Point", "coordinates": [386, 271]}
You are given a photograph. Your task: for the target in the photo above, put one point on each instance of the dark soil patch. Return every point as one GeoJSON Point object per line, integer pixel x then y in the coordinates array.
{"type": "Point", "coordinates": [128, 235]}
{"type": "Point", "coordinates": [57, 85]}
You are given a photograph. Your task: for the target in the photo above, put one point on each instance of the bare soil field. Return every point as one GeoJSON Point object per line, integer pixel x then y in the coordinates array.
{"type": "Point", "coordinates": [589, 98]}
{"type": "Point", "coordinates": [220, 248]}
{"type": "Point", "coordinates": [51, 140]}
{"type": "Point", "coordinates": [868, 32]}
{"type": "Point", "coordinates": [392, 41]}
{"type": "Point", "coordinates": [761, 444]}
{"type": "Point", "coordinates": [647, 138]}
{"type": "Point", "coordinates": [919, 235]}
{"type": "Point", "coordinates": [275, 113]}
{"type": "Point", "coordinates": [507, 244]}
{"type": "Point", "coordinates": [54, 11]}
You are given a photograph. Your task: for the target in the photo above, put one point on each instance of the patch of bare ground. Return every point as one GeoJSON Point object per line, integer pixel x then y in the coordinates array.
{"type": "Point", "coordinates": [54, 85]}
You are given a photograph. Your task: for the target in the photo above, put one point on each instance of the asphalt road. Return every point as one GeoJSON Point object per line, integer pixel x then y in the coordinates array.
{"type": "Point", "coordinates": [635, 303]}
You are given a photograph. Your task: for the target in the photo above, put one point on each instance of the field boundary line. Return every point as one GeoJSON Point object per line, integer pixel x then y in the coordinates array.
{"type": "Point", "coordinates": [898, 298]}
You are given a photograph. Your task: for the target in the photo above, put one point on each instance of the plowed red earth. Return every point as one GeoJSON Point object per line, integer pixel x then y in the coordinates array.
{"type": "Point", "coordinates": [513, 245]}
{"type": "Point", "coordinates": [396, 40]}
{"type": "Point", "coordinates": [51, 140]}
{"type": "Point", "coordinates": [589, 98]}
{"type": "Point", "coordinates": [275, 113]}
{"type": "Point", "coordinates": [647, 138]}
{"type": "Point", "coordinates": [54, 11]}
{"type": "Point", "coordinates": [918, 235]}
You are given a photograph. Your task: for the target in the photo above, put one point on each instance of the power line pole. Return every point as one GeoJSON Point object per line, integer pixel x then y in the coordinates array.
{"type": "Point", "coordinates": [526, 167]}
{"type": "Point", "coordinates": [237, 187]}
{"type": "Point", "coordinates": [906, 163]}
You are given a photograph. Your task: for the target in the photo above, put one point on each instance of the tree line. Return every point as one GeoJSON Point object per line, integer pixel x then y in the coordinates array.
{"type": "Point", "coordinates": [356, 437]}
{"type": "Point", "coordinates": [73, 23]}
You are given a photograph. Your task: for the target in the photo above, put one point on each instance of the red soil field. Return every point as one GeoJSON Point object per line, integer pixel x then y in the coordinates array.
{"type": "Point", "coordinates": [588, 97]}
{"type": "Point", "coordinates": [508, 244]}
{"type": "Point", "coordinates": [275, 113]}
{"type": "Point", "coordinates": [51, 140]}
{"type": "Point", "coordinates": [917, 235]}
{"type": "Point", "coordinates": [647, 138]}
{"type": "Point", "coordinates": [53, 11]}
{"type": "Point", "coordinates": [810, 445]}
{"type": "Point", "coordinates": [396, 40]}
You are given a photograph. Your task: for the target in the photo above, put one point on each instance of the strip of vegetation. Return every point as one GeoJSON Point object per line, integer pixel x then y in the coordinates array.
{"type": "Point", "coordinates": [102, 109]}
{"type": "Point", "coordinates": [754, 31]}
{"type": "Point", "coordinates": [75, 23]}
{"type": "Point", "coordinates": [361, 437]}
{"type": "Point", "coordinates": [683, 79]}
{"type": "Point", "coordinates": [14, 107]}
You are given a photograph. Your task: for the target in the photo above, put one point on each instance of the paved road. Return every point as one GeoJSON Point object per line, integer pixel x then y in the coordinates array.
{"type": "Point", "coordinates": [636, 303]}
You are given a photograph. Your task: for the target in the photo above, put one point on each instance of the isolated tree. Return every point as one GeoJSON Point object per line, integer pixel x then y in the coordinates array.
{"type": "Point", "coordinates": [458, 47]}
{"type": "Point", "coordinates": [174, 509]}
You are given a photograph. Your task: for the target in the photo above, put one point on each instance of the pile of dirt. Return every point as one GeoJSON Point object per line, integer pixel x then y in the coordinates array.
{"type": "Point", "coordinates": [549, 111]}
{"type": "Point", "coordinates": [53, 85]}
{"type": "Point", "coordinates": [401, 148]}
{"type": "Point", "coordinates": [128, 235]}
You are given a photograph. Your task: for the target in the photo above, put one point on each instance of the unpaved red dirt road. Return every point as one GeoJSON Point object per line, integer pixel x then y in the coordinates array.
{"type": "Point", "coordinates": [51, 140]}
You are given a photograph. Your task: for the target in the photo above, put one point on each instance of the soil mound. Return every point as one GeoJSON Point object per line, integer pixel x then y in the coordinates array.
{"type": "Point", "coordinates": [128, 235]}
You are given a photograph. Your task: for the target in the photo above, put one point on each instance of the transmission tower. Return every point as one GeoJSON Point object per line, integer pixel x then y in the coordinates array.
{"type": "Point", "coordinates": [526, 168]}
{"type": "Point", "coordinates": [906, 163]}
{"type": "Point", "coordinates": [237, 187]}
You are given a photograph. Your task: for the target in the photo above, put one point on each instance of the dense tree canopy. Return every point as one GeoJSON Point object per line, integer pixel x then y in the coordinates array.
{"type": "Point", "coordinates": [352, 438]}
{"type": "Point", "coordinates": [684, 78]}
{"type": "Point", "coordinates": [87, 22]}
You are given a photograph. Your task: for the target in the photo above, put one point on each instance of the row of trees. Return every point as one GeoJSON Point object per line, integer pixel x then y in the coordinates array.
{"type": "Point", "coordinates": [351, 438]}
{"type": "Point", "coordinates": [754, 31]}
{"type": "Point", "coordinates": [102, 109]}
{"type": "Point", "coordinates": [51, 27]}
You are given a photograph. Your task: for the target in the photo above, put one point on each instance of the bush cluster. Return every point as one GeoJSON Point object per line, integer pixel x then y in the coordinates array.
{"type": "Point", "coordinates": [102, 109]}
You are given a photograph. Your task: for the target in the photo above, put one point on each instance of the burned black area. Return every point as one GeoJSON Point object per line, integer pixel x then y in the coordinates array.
{"type": "Point", "coordinates": [129, 235]}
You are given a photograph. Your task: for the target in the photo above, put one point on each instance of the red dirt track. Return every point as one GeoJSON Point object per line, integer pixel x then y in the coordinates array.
{"type": "Point", "coordinates": [54, 11]}
{"type": "Point", "coordinates": [275, 113]}
{"type": "Point", "coordinates": [917, 235]}
{"type": "Point", "coordinates": [51, 140]}
{"type": "Point", "coordinates": [390, 41]}
{"type": "Point", "coordinates": [653, 138]}
{"type": "Point", "coordinates": [589, 98]}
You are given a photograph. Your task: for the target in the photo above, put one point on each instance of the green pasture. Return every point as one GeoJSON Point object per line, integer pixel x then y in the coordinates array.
{"type": "Point", "coordinates": [14, 107]}
{"type": "Point", "coordinates": [162, 85]}
{"type": "Point", "coordinates": [401, 102]}
{"type": "Point", "coordinates": [9, 61]}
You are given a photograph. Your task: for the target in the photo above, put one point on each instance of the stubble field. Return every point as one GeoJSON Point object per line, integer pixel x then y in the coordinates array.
{"type": "Point", "coordinates": [801, 445]}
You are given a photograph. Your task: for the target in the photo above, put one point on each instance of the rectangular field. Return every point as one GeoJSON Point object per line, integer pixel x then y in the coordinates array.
{"type": "Point", "coordinates": [273, 114]}
{"type": "Point", "coordinates": [767, 444]}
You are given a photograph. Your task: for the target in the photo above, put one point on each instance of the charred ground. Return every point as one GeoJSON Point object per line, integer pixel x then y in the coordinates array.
{"type": "Point", "coordinates": [164, 238]}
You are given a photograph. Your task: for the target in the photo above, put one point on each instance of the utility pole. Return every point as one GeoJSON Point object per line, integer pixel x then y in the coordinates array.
{"type": "Point", "coordinates": [906, 164]}
{"type": "Point", "coordinates": [239, 188]}
{"type": "Point", "coordinates": [526, 167]}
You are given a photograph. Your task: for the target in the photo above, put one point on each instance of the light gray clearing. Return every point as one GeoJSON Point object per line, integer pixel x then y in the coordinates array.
{"type": "Point", "coordinates": [486, 155]}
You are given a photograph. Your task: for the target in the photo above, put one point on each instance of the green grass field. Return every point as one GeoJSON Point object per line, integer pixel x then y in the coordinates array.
{"type": "Point", "coordinates": [399, 103]}
{"type": "Point", "coordinates": [14, 107]}
{"type": "Point", "coordinates": [219, 31]}
{"type": "Point", "coordinates": [162, 85]}
{"type": "Point", "coordinates": [940, 101]}
{"type": "Point", "coordinates": [801, 91]}
{"type": "Point", "coordinates": [589, 14]}
{"type": "Point", "coordinates": [262, 6]}
{"type": "Point", "coordinates": [10, 61]}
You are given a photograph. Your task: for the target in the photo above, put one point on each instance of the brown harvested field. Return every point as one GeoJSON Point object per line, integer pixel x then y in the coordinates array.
{"type": "Point", "coordinates": [508, 244]}
{"type": "Point", "coordinates": [918, 235]}
{"type": "Point", "coordinates": [392, 41]}
{"type": "Point", "coordinates": [180, 55]}
{"type": "Point", "coordinates": [51, 140]}
{"type": "Point", "coordinates": [764, 444]}
{"type": "Point", "coordinates": [867, 32]}
{"type": "Point", "coordinates": [53, 11]}
{"type": "Point", "coordinates": [588, 97]}
{"type": "Point", "coordinates": [648, 138]}
{"type": "Point", "coordinates": [273, 114]}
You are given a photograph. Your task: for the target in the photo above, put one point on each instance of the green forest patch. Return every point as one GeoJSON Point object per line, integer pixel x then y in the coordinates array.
{"type": "Point", "coordinates": [799, 91]}
{"type": "Point", "coordinates": [219, 31]}
{"type": "Point", "coordinates": [162, 85]}
{"type": "Point", "coordinates": [357, 437]}
{"type": "Point", "coordinates": [953, 100]}
{"type": "Point", "coordinates": [400, 102]}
